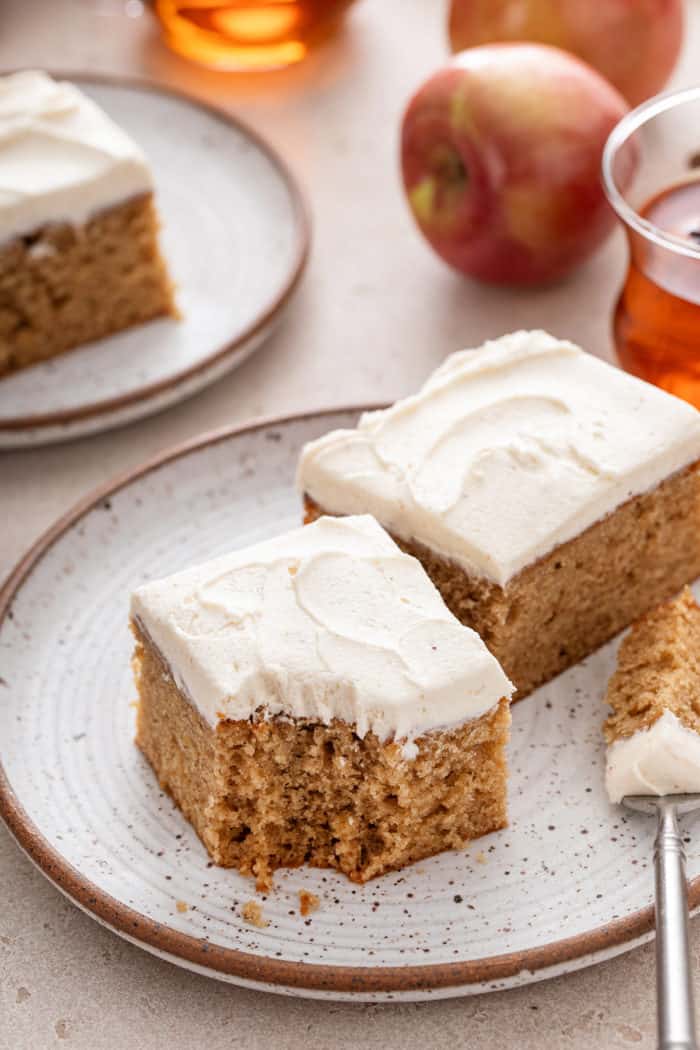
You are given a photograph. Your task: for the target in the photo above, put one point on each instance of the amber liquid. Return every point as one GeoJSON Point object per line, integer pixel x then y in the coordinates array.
{"type": "Point", "coordinates": [243, 35]}
{"type": "Point", "coordinates": [657, 320]}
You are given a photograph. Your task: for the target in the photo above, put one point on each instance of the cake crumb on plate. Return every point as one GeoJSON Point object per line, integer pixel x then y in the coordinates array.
{"type": "Point", "coordinates": [308, 902]}
{"type": "Point", "coordinates": [252, 913]}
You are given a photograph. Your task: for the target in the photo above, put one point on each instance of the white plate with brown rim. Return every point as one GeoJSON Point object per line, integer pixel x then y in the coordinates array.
{"type": "Point", "coordinates": [235, 233]}
{"type": "Point", "coordinates": [568, 884]}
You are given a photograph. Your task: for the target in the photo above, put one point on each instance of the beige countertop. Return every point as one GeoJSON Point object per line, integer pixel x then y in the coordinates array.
{"type": "Point", "coordinates": [375, 314]}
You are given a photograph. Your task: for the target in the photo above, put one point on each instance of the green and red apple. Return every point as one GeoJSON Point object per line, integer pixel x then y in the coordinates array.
{"type": "Point", "coordinates": [634, 43]}
{"type": "Point", "coordinates": [500, 155]}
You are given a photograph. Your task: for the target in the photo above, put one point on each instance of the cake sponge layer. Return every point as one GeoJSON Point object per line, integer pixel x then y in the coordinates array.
{"type": "Point", "coordinates": [658, 670]}
{"type": "Point", "coordinates": [280, 793]}
{"type": "Point", "coordinates": [63, 285]}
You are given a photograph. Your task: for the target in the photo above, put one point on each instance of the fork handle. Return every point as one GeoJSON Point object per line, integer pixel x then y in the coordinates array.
{"type": "Point", "coordinates": [674, 992]}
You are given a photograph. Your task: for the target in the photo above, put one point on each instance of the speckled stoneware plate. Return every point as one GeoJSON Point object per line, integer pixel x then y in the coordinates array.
{"type": "Point", "coordinates": [568, 884]}
{"type": "Point", "coordinates": [235, 235]}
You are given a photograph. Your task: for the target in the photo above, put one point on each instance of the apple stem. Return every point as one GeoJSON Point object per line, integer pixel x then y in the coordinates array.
{"type": "Point", "coordinates": [448, 165]}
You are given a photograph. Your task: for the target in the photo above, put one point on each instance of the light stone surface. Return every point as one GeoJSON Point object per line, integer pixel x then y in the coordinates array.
{"type": "Point", "coordinates": [376, 313]}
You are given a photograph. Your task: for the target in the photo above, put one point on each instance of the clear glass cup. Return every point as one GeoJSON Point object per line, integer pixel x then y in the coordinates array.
{"type": "Point", "coordinates": [651, 174]}
{"type": "Point", "coordinates": [248, 35]}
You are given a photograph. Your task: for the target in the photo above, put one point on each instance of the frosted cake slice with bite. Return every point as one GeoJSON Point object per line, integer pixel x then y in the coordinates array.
{"type": "Point", "coordinates": [311, 699]}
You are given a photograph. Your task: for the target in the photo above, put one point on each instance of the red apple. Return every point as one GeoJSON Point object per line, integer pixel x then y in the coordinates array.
{"type": "Point", "coordinates": [634, 43]}
{"type": "Point", "coordinates": [500, 154]}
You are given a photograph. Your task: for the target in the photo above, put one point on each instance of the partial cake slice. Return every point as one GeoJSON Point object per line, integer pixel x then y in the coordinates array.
{"type": "Point", "coordinates": [653, 734]}
{"type": "Point", "coordinates": [311, 699]}
{"type": "Point", "coordinates": [79, 255]}
{"type": "Point", "coordinates": [551, 497]}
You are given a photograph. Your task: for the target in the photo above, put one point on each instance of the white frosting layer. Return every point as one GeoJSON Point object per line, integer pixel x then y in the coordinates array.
{"type": "Point", "coordinates": [61, 158]}
{"type": "Point", "coordinates": [328, 621]}
{"type": "Point", "coordinates": [505, 452]}
{"type": "Point", "coordinates": [661, 760]}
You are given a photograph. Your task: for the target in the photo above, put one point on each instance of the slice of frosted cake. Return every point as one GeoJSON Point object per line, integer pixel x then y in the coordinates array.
{"type": "Point", "coordinates": [79, 254]}
{"type": "Point", "coordinates": [653, 733]}
{"type": "Point", "coordinates": [551, 497]}
{"type": "Point", "coordinates": [311, 699]}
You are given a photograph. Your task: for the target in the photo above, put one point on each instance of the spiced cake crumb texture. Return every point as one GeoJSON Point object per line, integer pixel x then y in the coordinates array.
{"type": "Point", "coordinates": [658, 670]}
{"type": "Point", "coordinates": [63, 286]}
{"type": "Point", "coordinates": [281, 793]}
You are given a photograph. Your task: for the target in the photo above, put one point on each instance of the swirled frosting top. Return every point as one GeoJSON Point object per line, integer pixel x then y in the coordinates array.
{"type": "Point", "coordinates": [62, 159]}
{"type": "Point", "coordinates": [328, 621]}
{"type": "Point", "coordinates": [506, 452]}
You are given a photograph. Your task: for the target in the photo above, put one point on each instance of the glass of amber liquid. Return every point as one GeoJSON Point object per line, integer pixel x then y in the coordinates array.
{"type": "Point", "coordinates": [651, 172]}
{"type": "Point", "coordinates": [248, 35]}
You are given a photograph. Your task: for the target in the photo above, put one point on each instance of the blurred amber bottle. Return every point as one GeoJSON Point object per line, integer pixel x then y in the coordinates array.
{"type": "Point", "coordinates": [248, 35]}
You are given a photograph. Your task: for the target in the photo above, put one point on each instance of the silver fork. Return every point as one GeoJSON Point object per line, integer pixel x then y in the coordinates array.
{"type": "Point", "coordinates": [675, 1011]}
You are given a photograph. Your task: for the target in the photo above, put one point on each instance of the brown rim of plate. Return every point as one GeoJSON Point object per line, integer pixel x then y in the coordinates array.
{"type": "Point", "coordinates": [303, 224]}
{"type": "Point", "coordinates": [229, 961]}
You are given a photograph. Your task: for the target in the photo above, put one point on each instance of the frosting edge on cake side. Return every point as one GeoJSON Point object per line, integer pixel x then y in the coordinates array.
{"type": "Point", "coordinates": [62, 158]}
{"type": "Point", "coordinates": [663, 759]}
{"type": "Point", "coordinates": [328, 621]}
